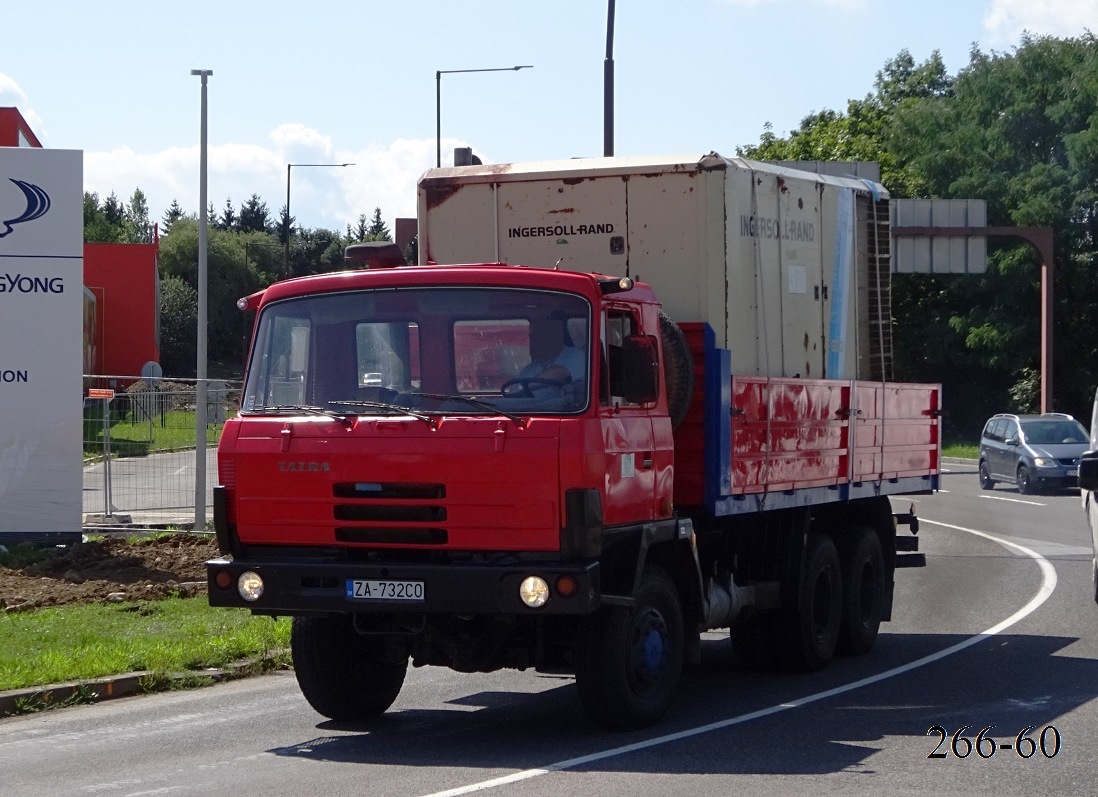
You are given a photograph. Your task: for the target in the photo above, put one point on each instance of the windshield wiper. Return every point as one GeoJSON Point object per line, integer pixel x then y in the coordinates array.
{"type": "Point", "coordinates": [308, 409]}
{"type": "Point", "coordinates": [381, 405]}
{"type": "Point", "coordinates": [483, 405]}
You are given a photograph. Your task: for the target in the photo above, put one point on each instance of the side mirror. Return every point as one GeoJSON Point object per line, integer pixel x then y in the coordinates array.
{"type": "Point", "coordinates": [1012, 441]}
{"type": "Point", "coordinates": [640, 364]}
{"type": "Point", "coordinates": [1088, 471]}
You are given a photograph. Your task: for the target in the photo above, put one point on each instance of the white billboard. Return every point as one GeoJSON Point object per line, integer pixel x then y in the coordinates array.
{"type": "Point", "coordinates": [41, 298]}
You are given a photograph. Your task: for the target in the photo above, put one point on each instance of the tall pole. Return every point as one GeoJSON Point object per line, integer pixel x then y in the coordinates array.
{"type": "Point", "coordinates": [438, 99]}
{"type": "Point", "coordinates": [608, 85]}
{"type": "Point", "coordinates": [287, 225]}
{"type": "Point", "coordinates": [200, 398]}
{"type": "Point", "coordinates": [438, 119]}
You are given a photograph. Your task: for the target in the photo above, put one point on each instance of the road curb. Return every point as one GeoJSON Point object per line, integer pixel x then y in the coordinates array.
{"type": "Point", "coordinates": [39, 698]}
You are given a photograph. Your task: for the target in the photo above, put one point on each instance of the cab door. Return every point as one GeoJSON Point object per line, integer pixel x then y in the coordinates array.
{"type": "Point", "coordinates": [630, 480]}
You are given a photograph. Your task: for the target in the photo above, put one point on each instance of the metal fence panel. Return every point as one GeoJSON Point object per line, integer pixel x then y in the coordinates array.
{"type": "Point", "coordinates": [140, 452]}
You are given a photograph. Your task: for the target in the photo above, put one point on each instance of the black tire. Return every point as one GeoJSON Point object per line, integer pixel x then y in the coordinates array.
{"type": "Point", "coordinates": [986, 482]}
{"type": "Point", "coordinates": [629, 660]}
{"type": "Point", "coordinates": [1023, 480]}
{"type": "Point", "coordinates": [809, 632]}
{"type": "Point", "coordinates": [862, 566]}
{"type": "Point", "coordinates": [340, 671]}
{"type": "Point", "coordinates": [678, 370]}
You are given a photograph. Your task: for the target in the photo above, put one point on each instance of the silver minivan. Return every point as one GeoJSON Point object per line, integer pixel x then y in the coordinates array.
{"type": "Point", "coordinates": [1032, 451]}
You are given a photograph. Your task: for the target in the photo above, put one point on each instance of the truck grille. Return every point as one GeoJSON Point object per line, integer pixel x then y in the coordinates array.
{"type": "Point", "coordinates": [393, 536]}
{"type": "Point", "coordinates": [390, 503]}
{"type": "Point", "coordinates": [388, 490]}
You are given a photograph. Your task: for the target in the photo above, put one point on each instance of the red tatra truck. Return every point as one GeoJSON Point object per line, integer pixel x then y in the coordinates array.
{"type": "Point", "coordinates": [657, 404]}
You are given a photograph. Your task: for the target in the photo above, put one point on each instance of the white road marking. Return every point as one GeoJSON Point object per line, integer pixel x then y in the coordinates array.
{"type": "Point", "coordinates": [1048, 584]}
{"type": "Point", "coordinates": [1012, 500]}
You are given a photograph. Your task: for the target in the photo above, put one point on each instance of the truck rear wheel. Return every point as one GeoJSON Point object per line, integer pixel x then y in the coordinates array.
{"type": "Point", "coordinates": [809, 632]}
{"type": "Point", "coordinates": [340, 672]}
{"type": "Point", "coordinates": [862, 567]}
{"type": "Point", "coordinates": [628, 660]}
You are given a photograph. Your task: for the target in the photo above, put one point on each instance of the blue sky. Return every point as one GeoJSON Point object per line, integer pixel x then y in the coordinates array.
{"type": "Point", "coordinates": [335, 82]}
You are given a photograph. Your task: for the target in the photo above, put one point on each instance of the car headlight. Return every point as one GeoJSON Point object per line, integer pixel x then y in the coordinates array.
{"type": "Point", "coordinates": [1044, 462]}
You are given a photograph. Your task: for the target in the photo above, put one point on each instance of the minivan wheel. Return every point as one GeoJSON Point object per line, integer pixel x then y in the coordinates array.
{"type": "Point", "coordinates": [986, 482]}
{"type": "Point", "coordinates": [1025, 486]}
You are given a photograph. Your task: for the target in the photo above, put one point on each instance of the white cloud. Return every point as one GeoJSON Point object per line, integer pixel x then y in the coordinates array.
{"type": "Point", "coordinates": [384, 175]}
{"type": "Point", "coordinates": [1006, 19]}
{"type": "Point", "coordinates": [11, 94]}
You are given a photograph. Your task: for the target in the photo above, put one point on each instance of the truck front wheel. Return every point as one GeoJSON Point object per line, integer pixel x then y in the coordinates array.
{"type": "Point", "coordinates": [341, 672]}
{"type": "Point", "coordinates": [629, 660]}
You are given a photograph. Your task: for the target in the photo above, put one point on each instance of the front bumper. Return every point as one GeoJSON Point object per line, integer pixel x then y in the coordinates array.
{"type": "Point", "coordinates": [297, 587]}
{"type": "Point", "coordinates": [1059, 477]}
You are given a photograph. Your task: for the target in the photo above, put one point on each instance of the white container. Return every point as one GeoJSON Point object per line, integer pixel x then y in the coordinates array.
{"type": "Point", "coordinates": [790, 268]}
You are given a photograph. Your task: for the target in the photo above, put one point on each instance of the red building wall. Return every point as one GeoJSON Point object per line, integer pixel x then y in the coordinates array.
{"type": "Point", "coordinates": [124, 279]}
{"type": "Point", "coordinates": [12, 124]}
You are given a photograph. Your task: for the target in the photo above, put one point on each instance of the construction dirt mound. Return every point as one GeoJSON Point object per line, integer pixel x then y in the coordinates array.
{"type": "Point", "coordinates": [108, 570]}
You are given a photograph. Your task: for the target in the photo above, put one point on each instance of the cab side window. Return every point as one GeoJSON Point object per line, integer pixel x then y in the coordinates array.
{"type": "Point", "coordinates": [620, 324]}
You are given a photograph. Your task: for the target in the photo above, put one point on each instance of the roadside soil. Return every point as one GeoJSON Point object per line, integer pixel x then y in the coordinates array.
{"type": "Point", "coordinates": [110, 569]}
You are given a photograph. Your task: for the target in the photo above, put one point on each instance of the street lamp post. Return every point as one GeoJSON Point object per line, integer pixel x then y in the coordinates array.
{"type": "Point", "coordinates": [200, 381]}
{"type": "Point", "coordinates": [287, 225]}
{"type": "Point", "coordinates": [438, 99]}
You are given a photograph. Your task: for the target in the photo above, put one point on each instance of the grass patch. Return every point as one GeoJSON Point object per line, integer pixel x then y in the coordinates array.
{"type": "Point", "coordinates": [167, 431]}
{"type": "Point", "coordinates": [72, 643]}
{"type": "Point", "coordinates": [961, 450]}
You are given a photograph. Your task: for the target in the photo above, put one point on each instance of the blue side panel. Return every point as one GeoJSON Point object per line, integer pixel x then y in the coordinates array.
{"type": "Point", "coordinates": [840, 287]}
{"type": "Point", "coordinates": [718, 419]}
{"type": "Point", "coordinates": [809, 496]}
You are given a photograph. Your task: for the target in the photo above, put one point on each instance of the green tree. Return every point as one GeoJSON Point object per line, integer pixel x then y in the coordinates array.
{"type": "Point", "coordinates": [231, 274]}
{"type": "Point", "coordinates": [358, 233]}
{"type": "Point", "coordinates": [1020, 130]}
{"type": "Point", "coordinates": [138, 229]}
{"type": "Point", "coordinates": [228, 220]}
{"type": "Point", "coordinates": [173, 214]}
{"type": "Point", "coordinates": [99, 227]}
{"type": "Point", "coordinates": [178, 327]}
{"type": "Point", "coordinates": [254, 216]}
{"type": "Point", "coordinates": [377, 230]}
{"type": "Point", "coordinates": [863, 132]}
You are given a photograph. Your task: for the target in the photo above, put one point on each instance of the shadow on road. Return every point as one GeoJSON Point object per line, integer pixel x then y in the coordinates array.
{"type": "Point", "coordinates": [1018, 681]}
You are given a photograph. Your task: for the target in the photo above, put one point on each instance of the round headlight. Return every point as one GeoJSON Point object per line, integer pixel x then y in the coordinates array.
{"type": "Point", "coordinates": [250, 586]}
{"type": "Point", "coordinates": [533, 591]}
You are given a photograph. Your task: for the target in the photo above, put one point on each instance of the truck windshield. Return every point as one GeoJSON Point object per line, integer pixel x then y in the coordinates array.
{"type": "Point", "coordinates": [474, 351]}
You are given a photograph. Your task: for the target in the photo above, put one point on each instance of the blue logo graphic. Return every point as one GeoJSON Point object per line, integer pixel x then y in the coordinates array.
{"type": "Point", "coordinates": [38, 204]}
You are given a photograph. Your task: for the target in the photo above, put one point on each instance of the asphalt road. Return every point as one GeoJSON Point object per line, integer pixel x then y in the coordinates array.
{"type": "Point", "coordinates": [987, 634]}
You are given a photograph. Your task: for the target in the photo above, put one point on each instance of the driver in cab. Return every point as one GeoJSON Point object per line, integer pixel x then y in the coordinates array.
{"type": "Point", "coordinates": [553, 363]}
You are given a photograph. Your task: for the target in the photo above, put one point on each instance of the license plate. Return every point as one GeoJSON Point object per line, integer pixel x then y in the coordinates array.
{"type": "Point", "coordinates": [358, 589]}
{"type": "Point", "coordinates": [1073, 472]}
